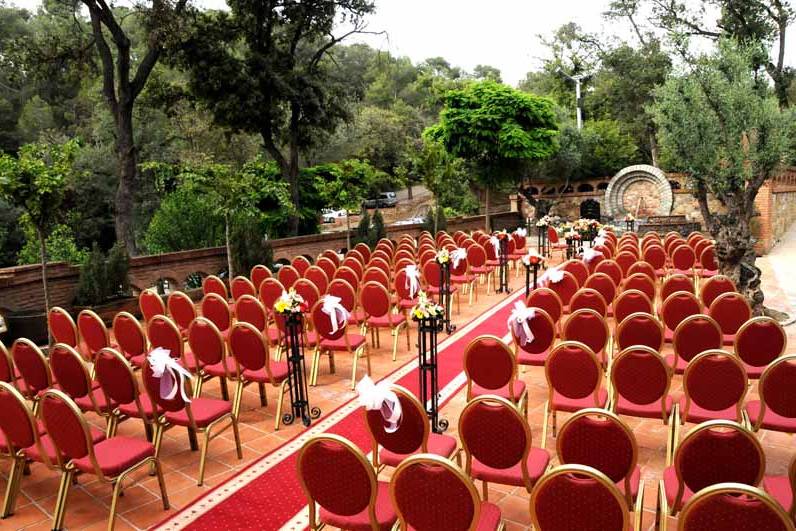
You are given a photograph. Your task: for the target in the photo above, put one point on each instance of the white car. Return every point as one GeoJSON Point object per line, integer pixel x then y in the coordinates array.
{"type": "Point", "coordinates": [330, 216]}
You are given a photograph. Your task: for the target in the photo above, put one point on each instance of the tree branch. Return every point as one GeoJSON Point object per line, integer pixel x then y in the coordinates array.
{"type": "Point", "coordinates": [108, 83]}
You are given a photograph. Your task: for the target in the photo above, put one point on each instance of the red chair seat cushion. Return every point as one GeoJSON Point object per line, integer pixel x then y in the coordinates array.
{"type": "Point", "coordinates": [527, 358]}
{"type": "Point", "coordinates": [385, 514]}
{"type": "Point", "coordinates": [435, 290]}
{"type": "Point", "coordinates": [752, 371]}
{"type": "Point", "coordinates": [562, 403]}
{"type": "Point", "coordinates": [405, 304]}
{"type": "Point", "coordinates": [707, 273]}
{"type": "Point", "coordinates": [356, 317]}
{"type": "Point", "coordinates": [670, 487]}
{"type": "Point", "coordinates": [779, 488]}
{"type": "Point", "coordinates": [481, 270]}
{"type": "Point", "coordinates": [85, 404]}
{"type": "Point", "coordinates": [387, 321]}
{"type": "Point", "coordinates": [279, 372]}
{"type": "Point", "coordinates": [273, 335]}
{"type": "Point", "coordinates": [650, 411]}
{"type": "Point", "coordinates": [217, 369]}
{"type": "Point", "coordinates": [668, 335]}
{"type": "Point", "coordinates": [205, 411]}
{"type": "Point", "coordinates": [131, 410]}
{"type": "Point", "coordinates": [32, 452]}
{"type": "Point", "coordinates": [462, 279]}
{"type": "Point", "coordinates": [635, 483]}
{"type": "Point", "coordinates": [355, 340]}
{"type": "Point", "coordinates": [117, 454]}
{"type": "Point", "coordinates": [698, 414]}
{"type": "Point", "coordinates": [728, 339]}
{"type": "Point", "coordinates": [503, 392]}
{"type": "Point", "coordinates": [536, 463]}
{"type": "Point", "coordinates": [438, 444]}
{"type": "Point", "coordinates": [771, 420]}
{"type": "Point", "coordinates": [489, 517]}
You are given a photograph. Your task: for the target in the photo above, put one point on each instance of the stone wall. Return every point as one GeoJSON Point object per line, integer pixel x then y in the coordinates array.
{"type": "Point", "coordinates": [776, 203]}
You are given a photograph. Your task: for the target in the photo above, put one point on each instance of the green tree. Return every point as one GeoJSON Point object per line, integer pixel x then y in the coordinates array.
{"type": "Point", "coordinates": [498, 130]}
{"type": "Point", "coordinates": [61, 246]}
{"type": "Point", "coordinates": [487, 72]}
{"type": "Point", "coordinates": [725, 129]}
{"type": "Point", "coordinates": [184, 220]}
{"type": "Point", "coordinates": [37, 181]}
{"type": "Point", "coordinates": [606, 149]}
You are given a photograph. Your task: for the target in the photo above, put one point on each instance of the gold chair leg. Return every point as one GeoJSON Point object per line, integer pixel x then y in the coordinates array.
{"type": "Point", "coordinates": [236, 434]}
{"type": "Point", "coordinates": [408, 340]}
{"type": "Point", "coordinates": [162, 484]}
{"type": "Point", "coordinates": [203, 456]}
{"type": "Point", "coordinates": [279, 403]}
{"type": "Point", "coordinates": [117, 490]}
{"type": "Point", "coordinates": [485, 487]}
{"type": "Point", "coordinates": [237, 399]}
{"type": "Point", "coordinates": [661, 509]}
{"type": "Point", "coordinates": [638, 510]}
{"type": "Point", "coordinates": [354, 371]}
{"type": "Point", "coordinates": [60, 501]}
{"type": "Point", "coordinates": [316, 357]}
{"type": "Point", "coordinates": [546, 422]}
{"type": "Point", "coordinates": [394, 333]}
{"type": "Point", "coordinates": [13, 486]}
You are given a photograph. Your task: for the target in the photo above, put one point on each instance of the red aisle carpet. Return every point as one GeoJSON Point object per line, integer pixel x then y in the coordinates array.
{"type": "Point", "coordinates": [267, 494]}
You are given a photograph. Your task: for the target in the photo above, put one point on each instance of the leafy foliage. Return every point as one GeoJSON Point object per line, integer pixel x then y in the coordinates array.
{"type": "Point", "coordinates": [183, 221]}
{"type": "Point", "coordinates": [102, 277]}
{"type": "Point", "coordinates": [60, 243]}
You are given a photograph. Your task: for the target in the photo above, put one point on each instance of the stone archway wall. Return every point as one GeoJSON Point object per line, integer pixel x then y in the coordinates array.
{"type": "Point", "coordinates": [640, 178]}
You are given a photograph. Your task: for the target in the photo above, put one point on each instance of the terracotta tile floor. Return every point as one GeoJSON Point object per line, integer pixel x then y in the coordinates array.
{"type": "Point", "coordinates": [140, 506]}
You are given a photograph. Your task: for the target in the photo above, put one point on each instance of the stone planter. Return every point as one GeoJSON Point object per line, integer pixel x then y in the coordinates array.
{"type": "Point", "coordinates": [108, 310]}
{"type": "Point", "coordinates": [29, 324]}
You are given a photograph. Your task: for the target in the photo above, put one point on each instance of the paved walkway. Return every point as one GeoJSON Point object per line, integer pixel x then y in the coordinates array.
{"type": "Point", "coordinates": [779, 274]}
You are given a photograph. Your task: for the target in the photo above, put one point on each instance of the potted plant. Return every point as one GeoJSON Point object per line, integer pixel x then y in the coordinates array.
{"type": "Point", "coordinates": [104, 285]}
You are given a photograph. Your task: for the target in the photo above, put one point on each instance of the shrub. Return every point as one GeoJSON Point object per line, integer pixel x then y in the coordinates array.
{"type": "Point", "coordinates": [249, 246]}
{"type": "Point", "coordinates": [103, 278]}
{"type": "Point", "coordinates": [442, 221]}
{"type": "Point", "coordinates": [61, 246]}
{"type": "Point", "coordinates": [362, 234]}
{"type": "Point", "coordinates": [183, 221]}
{"type": "Point", "coordinates": [378, 231]}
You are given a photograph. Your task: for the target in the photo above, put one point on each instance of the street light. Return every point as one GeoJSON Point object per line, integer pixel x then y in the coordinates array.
{"type": "Point", "coordinates": [577, 80]}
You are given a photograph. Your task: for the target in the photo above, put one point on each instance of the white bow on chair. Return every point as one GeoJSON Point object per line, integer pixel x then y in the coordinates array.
{"type": "Point", "coordinates": [602, 233]}
{"type": "Point", "coordinates": [590, 254]}
{"type": "Point", "coordinates": [457, 255]}
{"type": "Point", "coordinates": [495, 241]}
{"type": "Point", "coordinates": [518, 322]}
{"type": "Point", "coordinates": [379, 397]}
{"type": "Point", "coordinates": [599, 240]}
{"type": "Point", "coordinates": [337, 313]}
{"type": "Point", "coordinates": [521, 232]}
{"type": "Point", "coordinates": [553, 275]}
{"type": "Point", "coordinates": [412, 280]}
{"type": "Point", "coordinates": [172, 375]}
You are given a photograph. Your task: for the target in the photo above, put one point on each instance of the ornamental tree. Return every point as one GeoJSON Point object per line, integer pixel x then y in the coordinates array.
{"type": "Point", "coordinates": [721, 125]}
{"type": "Point", "coordinates": [498, 130]}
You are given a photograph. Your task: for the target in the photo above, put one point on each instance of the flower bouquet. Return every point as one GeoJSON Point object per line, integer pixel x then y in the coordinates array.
{"type": "Point", "coordinates": [426, 308]}
{"type": "Point", "coordinates": [443, 256]}
{"type": "Point", "coordinates": [533, 258]}
{"type": "Point", "coordinates": [629, 217]}
{"type": "Point", "coordinates": [290, 303]}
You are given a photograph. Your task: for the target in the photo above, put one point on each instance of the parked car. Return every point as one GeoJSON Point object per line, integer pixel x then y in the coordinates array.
{"type": "Point", "coordinates": [330, 216]}
{"type": "Point", "coordinates": [384, 200]}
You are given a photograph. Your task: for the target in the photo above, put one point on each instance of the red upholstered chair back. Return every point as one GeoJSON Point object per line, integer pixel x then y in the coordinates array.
{"type": "Point", "coordinates": [640, 375]}
{"type": "Point", "coordinates": [548, 300]}
{"type": "Point", "coordinates": [335, 474]}
{"type": "Point", "coordinates": [364, 250]}
{"type": "Point", "coordinates": [354, 264]}
{"type": "Point", "coordinates": [331, 255]}
{"type": "Point", "coordinates": [640, 282]}
{"type": "Point", "coordinates": [16, 422]}
{"type": "Point", "coordinates": [401, 285]}
{"type": "Point", "coordinates": [643, 268]}
{"type": "Point", "coordinates": [715, 381]}
{"type": "Point", "coordinates": [375, 274]}
{"type": "Point", "coordinates": [543, 330]}
{"type": "Point", "coordinates": [696, 334]}
{"type": "Point", "coordinates": [205, 342]}
{"type": "Point", "coordinates": [760, 340]}
{"type": "Point", "coordinates": [718, 451]}
{"type": "Point", "coordinates": [731, 311]}
{"type": "Point", "coordinates": [640, 328]}
{"type": "Point", "coordinates": [700, 245]}
{"type": "Point", "coordinates": [655, 256]}
{"type": "Point", "coordinates": [380, 258]}
{"type": "Point", "coordinates": [413, 430]}
{"type": "Point", "coordinates": [6, 365]}
{"type": "Point", "coordinates": [152, 386]}
{"type": "Point", "coordinates": [629, 302]}
{"type": "Point", "coordinates": [552, 234]}
{"type": "Point", "coordinates": [345, 292]}
{"type": "Point", "coordinates": [308, 291]}
{"type": "Point", "coordinates": [287, 276]}
{"type": "Point", "coordinates": [69, 371]}
{"type": "Point", "coordinates": [301, 264]}
{"type": "Point", "coordinates": [328, 266]}
{"type": "Point", "coordinates": [455, 503]}
{"type": "Point", "coordinates": [565, 288]}
{"type": "Point", "coordinates": [32, 366]}
{"type": "Point", "coordinates": [495, 433]}
{"type": "Point", "coordinates": [587, 327]}
{"type": "Point", "coordinates": [116, 377]}
{"type": "Point", "coordinates": [258, 274]}
{"type": "Point", "coordinates": [65, 425]}
{"type": "Point", "coordinates": [217, 310]}
{"type": "Point", "coordinates": [578, 269]}
{"type": "Point", "coordinates": [461, 268]}
{"type": "Point", "coordinates": [213, 284]}
{"type": "Point", "coordinates": [713, 287]}
{"type": "Point", "coordinates": [249, 348]}
{"type": "Point", "coordinates": [270, 291]}
{"type": "Point", "coordinates": [776, 388]}
{"type": "Point", "coordinates": [587, 298]}
{"type": "Point", "coordinates": [129, 335]}
{"type": "Point", "coordinates": [572, 497]}
{"type": "Point", "coordinates": [349, 275]}
{"type": "Point", "coordinates": [151, 304]}
{"type": "Point", "coordinates": [748, 507]}
{"type": "Point", "coordinates": [62, 326]}
{"type": "Point", "coordinates": [612, 269]}
{"type": "Point", "coordinates": [323, 323]}
{"type": "Point", "coordinates": [250, 310]}
{"type": "Point", "coordinates": [241, 286]}
{"type": "Point", "coordinates": [92, 331]}
{"type": "Point", "coordinates": [625, 259]}
{"type": "Point", "coordinates": [375, 300]}
{"type": "Point", "coordinates": [675, 283]}
{"type": "Point", "coordinates": [683, 258]}
{"type": "Point", "coordinates": [519, 241]}
{"type": "Point", "coordinates": [317, 276]}
{"type": "Point", "coordinates": [163, 333]}
{"type": "Point", "coordinates": [677, 307]}
{"type": "Point", "coordinates": [181, 309]}
{"type": "Point", "coordinates": [573, 371]}
{"type": "Point", "coordinates": [489, 363]}
{"type": "Point", "coordinates": [707, 259]}
{"type": "Point", "coordinates": [431, 273]}
{"type": "Point", "coordinates": [604, 284]}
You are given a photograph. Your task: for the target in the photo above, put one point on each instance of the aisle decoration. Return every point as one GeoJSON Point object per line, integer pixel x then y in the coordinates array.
{"type": "Point", "coordinates": [429, 317]}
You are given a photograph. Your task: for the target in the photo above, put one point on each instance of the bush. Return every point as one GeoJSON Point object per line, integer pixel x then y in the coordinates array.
{"type": "Point", "coordinates": [103, 278]}
{"type": "Point", "coordinates": [61, 246]}
{"type": "Point", "coordinates": [442, 221]}
{"type": "Point", "coordinates": [183, 221]}
{"type": "Point", "coordinates": [378, 231]}
{"type": "Point", "coordinates": [248, 245]}
{"type": "Point", "coordinates": [362, 234]}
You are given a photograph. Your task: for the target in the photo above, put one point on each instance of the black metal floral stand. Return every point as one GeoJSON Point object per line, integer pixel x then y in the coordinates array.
{"type": "Point", "coordinates": [445, 296]}
{"type": "Point", "coordinates": [503, 268]}
{"type": "Point", "coordinates": [427, 330]}
{"type": "Point", "coordinates": [541, 240]}
{"type": "Point", "coordinates": [533, 266]}
{"type": "Point", "coordinates": [630, 224]}
{"type": "Point", "coordinates": [297, 373]}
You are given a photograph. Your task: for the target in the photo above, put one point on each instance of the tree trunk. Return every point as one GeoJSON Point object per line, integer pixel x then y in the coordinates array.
{"type": "Point", "coordinates": [735, 253]}
{"type": "Point", "coordinates": [293, 167]}
{"type": "Point", "coordinates": [409, 191]}
{"type": "Point", "coordinates": [230, 271]}
{"type": "Point", "coordinates": [487, 219]}
{"type": "Point", "coordinates": [347, 230]}
{"type": "Point", "coordinates": [126, 159]}
{"type": "Point", "coordinates": [45, 287]}
{"type": "Point", "coordinates": [654, 149]}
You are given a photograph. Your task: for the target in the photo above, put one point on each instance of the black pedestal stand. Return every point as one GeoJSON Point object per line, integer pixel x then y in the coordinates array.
{"type": "Point", "coordinates": [445, 297]}
{"type": "Point", "coordinates": [297, 374]}
{"type": "Point", "coordinates": [541, 240]}
{"type": "Point", "coordinates": [528, 268]}
{"type": "Point", "coordinates": [630, 225]}
{"type": "Point", "coordinates": [503, 268]}
{"type": "Point", "coordinates": [427, 330]}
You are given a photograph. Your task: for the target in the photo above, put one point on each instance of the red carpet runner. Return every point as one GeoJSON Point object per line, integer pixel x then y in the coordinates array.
{"type": "Point", "coordinates": [267, 494]}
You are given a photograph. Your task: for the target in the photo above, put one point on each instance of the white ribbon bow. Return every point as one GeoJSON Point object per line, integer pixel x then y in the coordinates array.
{"type": "Point", "coordinates": [172, 375]}
{"type": "Point", "coordinates": [526, 259]}
{"type": "Point", "coordinates": [412, 280]}
{"type": "Point", "coordinates": [338, 315]}
{"type": "Point", "coordinates": [521, 232]}
{"type": "Point", "coordinates": [553, 275]}
{"type": "Point", "coordinates": [599, 240]}
{"type": "Point", "coordinates": [457, 255]}
{"type": "Point", "coordinates": [518, 322]}
{"type": "Point", "coordinates": [602, 233]}
{"type": "Point", "coordinates": [495, 241]}
{"type": "Point", "coordinates": [379, 397]}
{"type": "Point", "coordinates": [590, 254]}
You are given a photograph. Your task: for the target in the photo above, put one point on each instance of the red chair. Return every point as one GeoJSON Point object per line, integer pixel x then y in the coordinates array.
{"type": "Point", "coordinates": [376, 302]}
{"type": "Point", "coordinates": [655, 256]}
{"type": "Point", "coordinates": [675, 309]}
{"type": "Point", "coordinates": [300, 264]}
{"type": "Point", "coordinates": [548, 300]}
{"type": "Point", "coordinates": [431, 277]}
{"type": "Point", "coordinates": [355, 264]}
{"type": "Point", "coordinates": [375, 274]}
{"type": "Point", "coordinates": [217, 310]}
{"type": "Point", "coordinates": [612, 269]}
{"type": "Point", "coordinates": [93, 334]}
{"type": "Point", "coordinates": [640, 282]}
{"type": "Point", "coordinates": [130, 337]}
{"type": "Point", "coordinates": [62, 327]}
{"type": "Point", "coordinates": [328, 266]}
{"type": "Point", "coordinates": [733, 507]}
{"type": "Point", "coordinates": [554, 243]}
{"type": "Point", "coordinates": [606, 286]}
{"type": "Point", "coordinates": [587, 298]}
{"type": "Point", "coordinates": [119, 385]}
{"type": "Point", "coordinates": [695, 334]}
{"type": "Point", "coordinates": [349, 275]}
{"type": "Point", "coordinates": [332, 256]}
{"type": "Point", "coordinates": [213, 284]}
{"type": "Point", "coordinates": [252, 363]}
{"type": "Point", "coordinates": [401, 286]}
{"type": "Point", "coordinates": [338, 341]}
{"type": "Point", "coordinates": [337, 478]}
{"type": "Point", "coordinates": [707, 259]}
{"type": "Point", "coordinates": [514, 461]}
{"type": "Point", "coordinates": [578, 269]}
{"type": "Point", "coordinates": [348, 298]}
{"type": "Point", "coordinates": [570, 497]}
{"type": "Point", "coordinates": [363, 250]}
{"type": "Point", "coordinates": [565, 288]}
{"type": "Point", "coordinates": [462, 277]}
{"type": "Point", "coordinates": [714, 452]}
{"type": "Point", "coordinates": [317, 276]}
{"type": "Point", "coordinates": [491, 369]}
{"type": "Point", "coordinates": [644, 268]}
{"type": "Point", "coordinates": [8, 372]}
{"type": "Point", "coordinates": [574, 377]}
{"type": "Point", "coordinates": [588, 327]}
{"type": "Point", "coordinates": [287, 276]}
{"type": "Point", "coordinates": [625, 259]}
{"type": "Point", "coordinates": [150, 303]}
{"type": "Point", "coordinates": [597, 258]}
{"type": "Point", "coordinates": [776, 408]}
{"type": "Point", "coordinates": [684, 260]}
{"type": "Point", "coordinates": [599, 439]}
{"type": "Point", "coordinates": [715, 286]}
{"type": "Point", "coordinates": [250, 310]}
{"type": "Point", "coordinates": [675, 283]}
{"type": "Point", "coordinates": [535, 352]}
{"type": "Point", "coordinates": [629, 302]}
{"type": "Point", "coordinates": [33, 368]}
{"type": "Point", "coordinates": [731, 311]}
{"type": "Point", "coordinates": [111, 460]}
{"type": "Point", "coordinates": [241, 286]}
{"type": "Point", "coordinates": [308, 291]}
{"type": "Point", "coordinates": [71, 374]}
{"type": "Point", "coordinates": [759, 342]}
{"type": "Point", "coordinates": [181, 310]}
{"type": "Point", "coordinates": [781, 489]}
{"type": "Point", "coordinates": [270, 291]}
{"type": "Point", "coordinates": [258, 274]}
{"type": "Point", "coordinates": [430, 492]}
{"type": "Point", "coordinates": [476, 256]}
{"type": "Point", "coordinates": [210, 354]}
{"type": "Point", "coordinates": [200, 416]}
{"type": "Point", "coordinates": [413, 435]}
{"type": "Point", "coordinates": [163, 333]}
{"type": "Point", "coordinates": [639, 328]}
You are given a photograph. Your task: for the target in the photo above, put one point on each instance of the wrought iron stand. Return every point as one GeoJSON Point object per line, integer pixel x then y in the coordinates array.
{"type": "Point", "coordinates": [427, 330]}
{"type": "Point", "coordinates": [445, 297]}
{"type": "Point", "coordinates": [297, 373]}
{"type": "Point", "coordinates": [630, 225]}
{"type": "Point", "coordinates": [541, 240]}
{"type": "Point", "coordinates": [528, 268]}
{"type": "Point", "coordinates": [503, 268]}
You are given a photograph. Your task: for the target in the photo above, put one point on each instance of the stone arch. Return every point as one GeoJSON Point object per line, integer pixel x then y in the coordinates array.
{"type": "Point", "coordinates": [585, 187]}
{"type": "Point", "coordinates": [632, 176]}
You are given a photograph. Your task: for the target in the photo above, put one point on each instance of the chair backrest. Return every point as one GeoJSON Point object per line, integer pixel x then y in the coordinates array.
{"type": "Point", "coordinates": [746, 507]}
{"type": "Point", "coordinates": [258, 274]}
{"type": "Point", "coordinates": [150, 303]}
{"type": "Point", "coordinates": [625, 259]}
{"type": "Point", "coordinates": [578, 269]}
{"type": "Point", "coordinates": [640, 282]}
{"type": "Point", "coordinates": [335, 474]}
{"type": "Point", "coordinates": [578, 497]}
{"type": "Point", "coordinates": [7, 373]}
{"type": "Point", "coordinates": [599, 439]}
{"type": "Point", "coordinates": [181, 309]}
{"type": "Point", "coordinates": [640, 328]}
{"type": "Point", "coordinates": [604, 284]}
{"type": "Point", "coordinates": [205, 342]}
{"type": "Point", "coordinates": [573, 370]}
{"type": "Point", "coordinates": [683, 258]}
{"type": "Point", "coordinates": [641, 376]}
{"type": "Point", "coordinates": [328, 266]}
{"type": "Point", "coordinates": [364, 250]}
{"type": "Point", "coordinates": [349, 275]}
{"type": "Point", "coordinates": [375, 274]}
{"type": "Point", "coordinates": [213, 284]}
{"type": "Point", "coordinates": [249, 348]}
{"type": "Point", "coordinates": [715, 381]}
{"type": "Point", "coordinates": [655, 256]}
{"type": "Point", "coordinates": [129, 335]}
{"type": "Point", "coordinates": [62, 326]}
{"type": "Point", "coordinates": [32, 366]}
{"type": "Point", "coordinates": [631, 301]}
{"type": "Point", "coordinates": [270, 291]}
{"type": "Point", "coordinates": [476, 256]}
{"type": "Point", "coordinates": [354, 264]}
{"type": "Point", "coordinates": [152, 387]}
{"type": "Point", "coordinates": [675, 283]}
{"type": "Point", "coordinates": [93, 331]}
{"type": "Point", "coordinates": [117, 380]}
{"type": "Point", "coordinates": [776, 389]}
{"type": "Point", "coordinates": [70, 372]}
{"type": "Point", "coordinates": [250, 310]}
{"type": "Point", "coordinates": [707, 258]}
{"type": "Point", "coordinates": [412, 433]}
{"type": "Point", "coordinates": [677, 307]}
{"type": "Point", "coordinates": [431, 273]}
{"type": "Point", "coordinates": [323, 323]}
{"type": "Point", "coordinates": [66, 427]}
{"type": "Point", "coordinates": [17, 422]}
{"type": "Point", "coordinates": [163, 333]}
{"type": "Point", "coordinates": [713, 287]}
{"type": "Point", "coordinates": [760, 341]}
{"type": "Point", "coordinates": [565, 288]}
{"type": "Point", "coordinates": [301, 264]}
{"type": "Point", "coordinates": [287, 276]}
{"type": "Point", "coordinates": [317, 276]}
{"type": "Point", "coordinates": [489, 363]}
{"type": "Point", "coordinates": [731, 311]}
{"type": "Point", "coordinates": [552, 234]}
{"type": "Point", "coordinates": [548, 300]}
{"type": "Point", "coordinates": [455, 504]}
{"type": "Point", "coordinates": [308, 291]}
{"type": "Point", "coordinates": [644, 268]}
{"type": "Point", "coordinates": [216, 308]}
{"type": "Point", "coordinates": [375, 300]}
{"type": "Point", "coordinates": [543, 329]}
{"type": "Point", "coordinates": [696, 334]}
{"type": "Point", "coordinates": [332, 256]}
{"type": "Point", "coordinates": [588, 327]}
{"type": "Point", "coordinates": [345, 292]}
{"type": "Point", "coordinates": [612, 269]}
{"type": "Point", "coordinates": [401, 285]}
{"type": "Point", "coordinates": [241, 286]}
